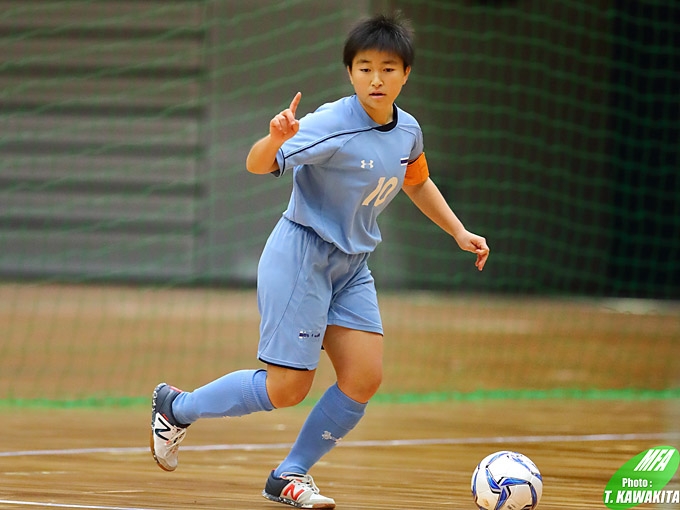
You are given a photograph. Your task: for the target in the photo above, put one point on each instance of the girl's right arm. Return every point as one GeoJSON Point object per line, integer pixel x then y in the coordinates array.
{"type": "Point", "coordinates": [262, 156]}
{"type": "Point", "coordinates": [284, 126]}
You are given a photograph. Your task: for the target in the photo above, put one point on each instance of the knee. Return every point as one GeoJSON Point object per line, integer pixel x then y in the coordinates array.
{"type": "Point", "coordinates": [288, 387]}
{"type": "Point", "coordinates": [362, 388]}
{"type": "Point", "coordinates": [286, 396]}
{"type": "Point", "coordinates": [373, 385]}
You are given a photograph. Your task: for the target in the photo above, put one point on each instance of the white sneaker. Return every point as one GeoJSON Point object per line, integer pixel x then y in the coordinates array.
{"type": "Point", "coordinates": [296, 490]}
{"type": "Point", "coordinates": [166, 433]}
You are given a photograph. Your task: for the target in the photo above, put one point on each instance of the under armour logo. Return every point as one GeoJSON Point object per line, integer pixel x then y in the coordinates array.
{"type": "Point", "coordinates": [366, 164]}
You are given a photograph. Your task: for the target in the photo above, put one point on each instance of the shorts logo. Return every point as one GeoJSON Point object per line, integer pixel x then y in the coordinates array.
{"type": "Point", "coordinates": [309, 335]}
{"type": "Point", "coordinates": [366, 164]}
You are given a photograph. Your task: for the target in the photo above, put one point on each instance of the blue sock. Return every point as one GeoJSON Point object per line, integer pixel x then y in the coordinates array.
{"type": "Point", "coordinates": [333, 416]}
{"type": "Point", "coordinates": [235, 394]}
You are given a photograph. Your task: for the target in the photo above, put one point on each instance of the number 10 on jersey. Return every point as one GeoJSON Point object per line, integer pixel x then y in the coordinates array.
{"type": "Point", "coordinates": [381, 191]}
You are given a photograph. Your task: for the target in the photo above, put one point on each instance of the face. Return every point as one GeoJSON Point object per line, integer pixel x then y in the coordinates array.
{"type": "Point", "coordinates": [378, 78]}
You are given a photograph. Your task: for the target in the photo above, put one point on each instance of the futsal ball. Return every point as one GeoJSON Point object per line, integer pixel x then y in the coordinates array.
{"type": "Point", "coordinates": [506, 481]}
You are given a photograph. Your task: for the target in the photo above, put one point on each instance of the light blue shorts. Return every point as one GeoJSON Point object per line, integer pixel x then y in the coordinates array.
{"type": "Point", "coordinates": [305, 284]}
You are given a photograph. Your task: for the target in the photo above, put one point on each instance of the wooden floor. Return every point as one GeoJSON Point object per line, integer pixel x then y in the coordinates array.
{"type": "Point", "coordinates": [402, 456]}
{"type": "Point", "coordinates": [68, 343]}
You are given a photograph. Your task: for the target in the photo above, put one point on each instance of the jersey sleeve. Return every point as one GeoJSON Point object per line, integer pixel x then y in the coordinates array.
{"type": "Point", "coordinates": [311, 145]}
{"type": "Point", "coordinates": [417, 171]}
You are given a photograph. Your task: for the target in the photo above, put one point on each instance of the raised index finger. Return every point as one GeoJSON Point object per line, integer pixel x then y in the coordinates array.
{"type": "Point", "coordinates": [295, 102]}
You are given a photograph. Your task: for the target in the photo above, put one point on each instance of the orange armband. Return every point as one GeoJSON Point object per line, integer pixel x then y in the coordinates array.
{"type": "Point", "coordinates": [417, 171]}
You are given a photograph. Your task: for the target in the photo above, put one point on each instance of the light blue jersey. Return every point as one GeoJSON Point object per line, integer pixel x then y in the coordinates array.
{"type": "Point", "coordinates": [313, 271]}
{"type": "Point", "coordinates": [346, 169]}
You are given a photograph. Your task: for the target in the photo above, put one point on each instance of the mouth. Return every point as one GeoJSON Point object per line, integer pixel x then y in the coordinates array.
{"type": "Point", "coordinates": [377, 94]}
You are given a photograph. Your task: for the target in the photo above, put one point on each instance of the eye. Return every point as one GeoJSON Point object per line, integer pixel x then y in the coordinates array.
{"type": "Point", "coordinates": [364, 70]}
{"type": "Point", "coordinates": [389, 69]}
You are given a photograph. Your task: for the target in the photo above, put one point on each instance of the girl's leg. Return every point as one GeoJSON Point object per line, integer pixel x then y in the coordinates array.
{"type": "Point", "coordinates": [235, 394]}
{"type": "Point", "coordinates": [244, 392]}
{"type": "Point", "coordinates": [357, 359]}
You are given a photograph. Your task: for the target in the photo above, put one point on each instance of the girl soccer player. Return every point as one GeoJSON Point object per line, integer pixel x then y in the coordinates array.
{"type": "Point", "coordinates": [348, 161]}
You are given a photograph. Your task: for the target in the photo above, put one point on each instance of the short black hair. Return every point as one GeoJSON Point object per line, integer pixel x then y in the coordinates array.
{"type": "Point", "coordinates": [392, 34]}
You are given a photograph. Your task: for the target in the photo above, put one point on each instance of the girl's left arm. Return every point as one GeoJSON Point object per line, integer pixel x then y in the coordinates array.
{"type": "Point", "coordinates": [427, 197]}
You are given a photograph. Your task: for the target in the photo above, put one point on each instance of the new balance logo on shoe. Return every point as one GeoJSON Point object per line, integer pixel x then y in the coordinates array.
{"type": "Point", "coordinates": [289, 492]}
{"type": "Point", "coordinates": [162, 426]}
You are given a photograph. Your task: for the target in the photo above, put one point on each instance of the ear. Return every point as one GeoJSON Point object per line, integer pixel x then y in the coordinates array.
{"type": "Point", "coordinates": [407, 73]}
{"type": "Point", "coordinates": [349, 73]}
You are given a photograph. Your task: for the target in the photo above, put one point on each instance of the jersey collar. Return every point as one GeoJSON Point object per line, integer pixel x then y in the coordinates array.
{"type": "Point", "coordinates": [390, 125]}
{"type": "Point", "coordinates": [378, 127]}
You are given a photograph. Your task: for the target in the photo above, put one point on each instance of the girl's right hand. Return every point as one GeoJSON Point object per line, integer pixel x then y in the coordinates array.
{"type": "Point", "coordinates": [285, 126]}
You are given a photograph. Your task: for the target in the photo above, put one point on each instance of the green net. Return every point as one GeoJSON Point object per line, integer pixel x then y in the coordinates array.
{"type": "Point", "coordinates": [130, 230]}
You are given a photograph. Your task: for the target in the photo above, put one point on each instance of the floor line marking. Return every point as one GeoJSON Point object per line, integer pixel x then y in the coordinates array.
{"type": "Point", "coordinates": [65, 505]}
{"type": "Point", "coordinates": [557, 438]}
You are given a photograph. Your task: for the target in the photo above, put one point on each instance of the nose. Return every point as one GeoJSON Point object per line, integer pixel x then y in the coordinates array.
{"type": "Point", "coordinates": [376, 80]}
